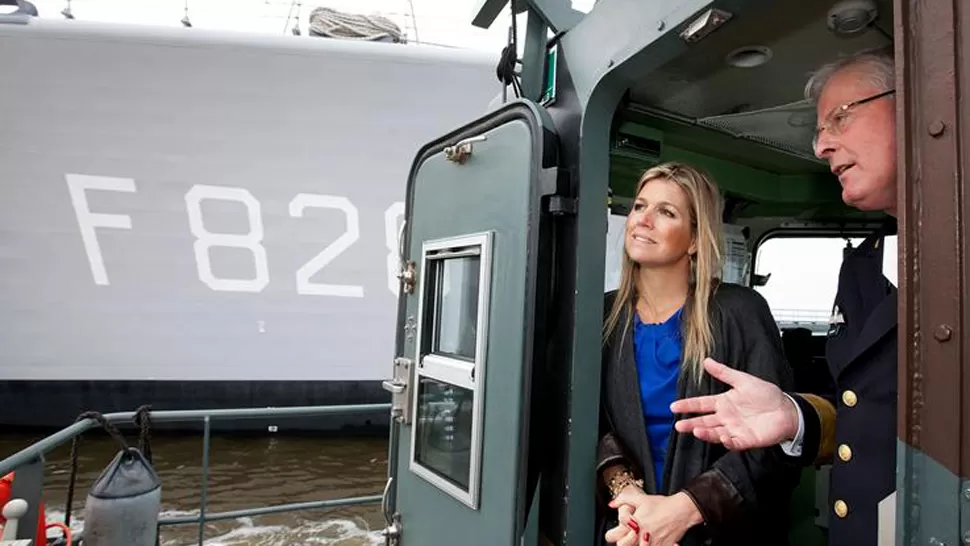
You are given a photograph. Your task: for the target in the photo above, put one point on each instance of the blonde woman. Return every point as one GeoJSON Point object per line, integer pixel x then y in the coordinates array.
{"type": "Point", "coordinates": [669, 314]}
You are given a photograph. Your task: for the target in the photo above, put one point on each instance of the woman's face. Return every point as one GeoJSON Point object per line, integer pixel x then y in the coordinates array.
{"type": "Point", "coordinates": [658, 228]}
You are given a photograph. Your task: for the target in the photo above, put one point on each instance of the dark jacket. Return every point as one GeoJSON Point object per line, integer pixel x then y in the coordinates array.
{"type": "Point", "coordinates": [743, 496]}
{"type": "Point", "coordinates": [861, 353]}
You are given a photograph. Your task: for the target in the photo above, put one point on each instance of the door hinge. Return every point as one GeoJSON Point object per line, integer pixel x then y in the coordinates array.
{"type": "Point", "coordinates": [400, 388]}
{"type": "Point", "coordinates": [558, 205]}
{"type": "Point", "coordinates": [554, 184]}
{"type": "Point", "coordinates": [407, 277]}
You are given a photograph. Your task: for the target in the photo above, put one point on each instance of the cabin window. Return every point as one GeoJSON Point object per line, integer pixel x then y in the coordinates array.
{"type": "Point", "coordinates": [455, 311]}
{"type": "Point", "coordinates": [446, 436]}
{"type": "Point", "coordinates": [798, 276]}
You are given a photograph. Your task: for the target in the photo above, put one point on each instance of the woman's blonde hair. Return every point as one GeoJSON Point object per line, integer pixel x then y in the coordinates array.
{"type": "Point", "coordinates": [705, 265]}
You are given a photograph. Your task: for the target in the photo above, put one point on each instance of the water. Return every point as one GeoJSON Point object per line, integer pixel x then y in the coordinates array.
{"type": "Point", "coordinates": [245, 472]}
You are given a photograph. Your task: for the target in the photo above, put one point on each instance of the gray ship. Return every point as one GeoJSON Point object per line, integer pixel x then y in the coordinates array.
{"type": "Point", "coordinates": [197, 219]}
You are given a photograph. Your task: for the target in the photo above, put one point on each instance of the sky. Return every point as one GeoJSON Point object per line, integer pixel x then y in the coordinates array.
{"type": "Point", "coordinates": [445, 22]}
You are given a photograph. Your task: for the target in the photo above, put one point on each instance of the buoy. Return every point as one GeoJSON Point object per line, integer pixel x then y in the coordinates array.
{"type": "Point", "coordinates": [123, 505]}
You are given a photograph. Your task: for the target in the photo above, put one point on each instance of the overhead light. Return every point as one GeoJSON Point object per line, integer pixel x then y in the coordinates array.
{"type": "Point", "coordinates": [749, 56]}
{"type": "Point", "coordinates": [707, 23]}
{"type": "Point", "coordinates": [851, 17]}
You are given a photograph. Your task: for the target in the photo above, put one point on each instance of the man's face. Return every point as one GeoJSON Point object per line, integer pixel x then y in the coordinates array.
{"type": "Point", "coordinates": [859, 142]}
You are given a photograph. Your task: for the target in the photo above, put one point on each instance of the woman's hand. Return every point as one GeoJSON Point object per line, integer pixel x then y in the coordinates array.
{"type": "Point", "coordinates": [653, 520]}
{"type": "Point", "coordinates": [627, 533]}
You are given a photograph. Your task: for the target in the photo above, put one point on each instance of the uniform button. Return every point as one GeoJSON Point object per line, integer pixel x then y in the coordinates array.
{"type": "Point", "coordinates": [841, 508]}
{"type": "Point", "coordinates": [849, 398]}
{"type": "Point", "coordinates": [845, 452]}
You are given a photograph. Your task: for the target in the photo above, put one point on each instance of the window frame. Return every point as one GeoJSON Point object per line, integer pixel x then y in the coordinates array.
{"type": "Point", "coordinates": [452, 369]}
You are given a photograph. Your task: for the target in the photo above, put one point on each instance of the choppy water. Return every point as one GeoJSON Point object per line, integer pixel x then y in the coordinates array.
{"type": "Point", "coordinates": [245, 472]}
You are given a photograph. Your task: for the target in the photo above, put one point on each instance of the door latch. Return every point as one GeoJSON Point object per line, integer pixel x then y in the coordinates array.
{"type": "Point", "coordinates": [459, 152]}
{"type": "Point", "coordinates": [399, 387]}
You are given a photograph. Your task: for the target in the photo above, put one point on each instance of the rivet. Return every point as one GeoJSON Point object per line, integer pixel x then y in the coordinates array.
{"type": "Point", "coordinates": [943, 333]}
{"type": "Point", "coordinates": [966, 537]}
{"type": "Point", "coordinates": [936, 542]}
{"type": "Point", "coordinates": [661, 25]}
{"type": "Point", "coordinates": [937, 128]}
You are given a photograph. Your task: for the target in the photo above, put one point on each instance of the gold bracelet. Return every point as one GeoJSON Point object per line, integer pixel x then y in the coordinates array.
{"type": "Point", "coordinates": [620, 480]}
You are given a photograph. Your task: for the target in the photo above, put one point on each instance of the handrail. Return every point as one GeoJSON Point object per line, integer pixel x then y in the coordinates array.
{"type": "Point", "coordinates": [279, 508]}
{"type": "Point", "coordinates": [36, 450]}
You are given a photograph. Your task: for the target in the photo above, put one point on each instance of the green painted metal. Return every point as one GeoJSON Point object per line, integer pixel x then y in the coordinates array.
{"type": "Point", "coordinates": [613, 45]}
{"type": "Point", "coordinates": [585, 360]}
{"type": "Point", "coordinates": [487, 11]}
{"type": "Point", "coordinates": [616, 35]}
{"type": "Point", "coordinates": [557, 14]}
{"type": "Point", "coordinates": [929, 498]}
{"type": "Point", "coordinates": [28, 485]}
{"type": "Point", "coordinates": [965, 511]}
{"type": "Point", "coordinates": [533, 55]}
{"type": "Point", "coordinates": [804, 530]}
{"type": "Point", "coordinates": [494, 190]}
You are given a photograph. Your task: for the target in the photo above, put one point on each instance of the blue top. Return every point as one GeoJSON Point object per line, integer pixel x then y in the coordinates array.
{"type": "Point", "coordinates": [657, 349]}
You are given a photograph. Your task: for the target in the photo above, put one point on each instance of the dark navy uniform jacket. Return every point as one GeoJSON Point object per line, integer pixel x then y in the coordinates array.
{"type": "Point", "coordinates": [862, 354]}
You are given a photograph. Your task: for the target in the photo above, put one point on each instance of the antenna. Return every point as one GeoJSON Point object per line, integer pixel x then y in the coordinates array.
{"type": "Point", "coordinates": [414, 22]}
{"type": "Point", "coordinates": [66, 12]}
{"type": "Point", "coordinates": [290, 16]}
{"type": "Point", "coordinates": [185, 20]}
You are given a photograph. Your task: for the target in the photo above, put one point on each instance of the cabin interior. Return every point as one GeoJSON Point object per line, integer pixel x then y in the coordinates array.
{"type": "Point", "coordinates": [733, 104]}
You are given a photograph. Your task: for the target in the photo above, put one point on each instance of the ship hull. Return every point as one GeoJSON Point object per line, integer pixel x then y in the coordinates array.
{"type": "Point", "coordinates": [193, 219]}
{"type": "Point", "coordinates": [45, 405]}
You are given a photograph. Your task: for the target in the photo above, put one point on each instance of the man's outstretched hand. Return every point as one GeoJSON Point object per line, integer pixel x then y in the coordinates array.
{"type": "Point", "coordinates": [753, 413]}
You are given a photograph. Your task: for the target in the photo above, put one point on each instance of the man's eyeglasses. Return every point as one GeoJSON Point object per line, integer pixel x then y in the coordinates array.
{"type": "Point", "coordinates": [837, 120]}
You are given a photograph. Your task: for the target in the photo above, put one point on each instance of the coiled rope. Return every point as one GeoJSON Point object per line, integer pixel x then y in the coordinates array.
{"type": "Point", "coordinates": [330, 23]}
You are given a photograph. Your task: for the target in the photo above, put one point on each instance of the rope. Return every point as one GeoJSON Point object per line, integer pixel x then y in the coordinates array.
{"type": "Point", "coordinates": [330, 23]}
{"type": "Point", "coordinates": [143, 419]}
{"type": "Point", "coordinates": [505, 71]}
{"type": "Point", "coordinates": [112, 431]}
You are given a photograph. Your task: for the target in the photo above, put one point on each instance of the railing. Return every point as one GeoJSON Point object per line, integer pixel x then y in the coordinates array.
{"type": "Point", "coordinates": [28, 484]}
{"type": "Point", "coordinates": [801, 315]}
{"type": "Point", "coordinates": [815, 320]}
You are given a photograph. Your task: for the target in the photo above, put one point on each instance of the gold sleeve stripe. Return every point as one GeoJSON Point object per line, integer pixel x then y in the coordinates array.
{"type": "Point", "coordinates": [826, 418]}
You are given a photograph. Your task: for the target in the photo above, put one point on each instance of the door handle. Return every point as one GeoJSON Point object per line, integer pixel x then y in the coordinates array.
{"type": "Point", "coordinates": [393, 387]}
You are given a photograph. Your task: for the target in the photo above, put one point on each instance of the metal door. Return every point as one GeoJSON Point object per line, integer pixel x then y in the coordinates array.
{"type": "Point", "coordinates": [475, 278]}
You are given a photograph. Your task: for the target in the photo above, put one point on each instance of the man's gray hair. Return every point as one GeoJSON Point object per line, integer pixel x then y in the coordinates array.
{"type": "Point", "coordinates": [880, 64]}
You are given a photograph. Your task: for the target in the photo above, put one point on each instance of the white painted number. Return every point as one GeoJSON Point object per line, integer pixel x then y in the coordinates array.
{"type": "Point", "coordinates": [252, 240]}
{"type": "Point", "coordinates": [392, 230]}
{"type": "Point", "coordinates": [205, 240]}
{"type": "Point", "coordinates": [77, 184]}
{"type": "Point", "coordinates": [352, 233]}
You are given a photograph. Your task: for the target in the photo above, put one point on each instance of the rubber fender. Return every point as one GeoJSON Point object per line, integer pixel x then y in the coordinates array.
{"type": "Point", "coordinates": [124, 504]}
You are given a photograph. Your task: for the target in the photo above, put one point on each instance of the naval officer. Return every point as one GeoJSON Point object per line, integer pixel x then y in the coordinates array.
{"type": "Point", "coordinates": [856, 134]}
